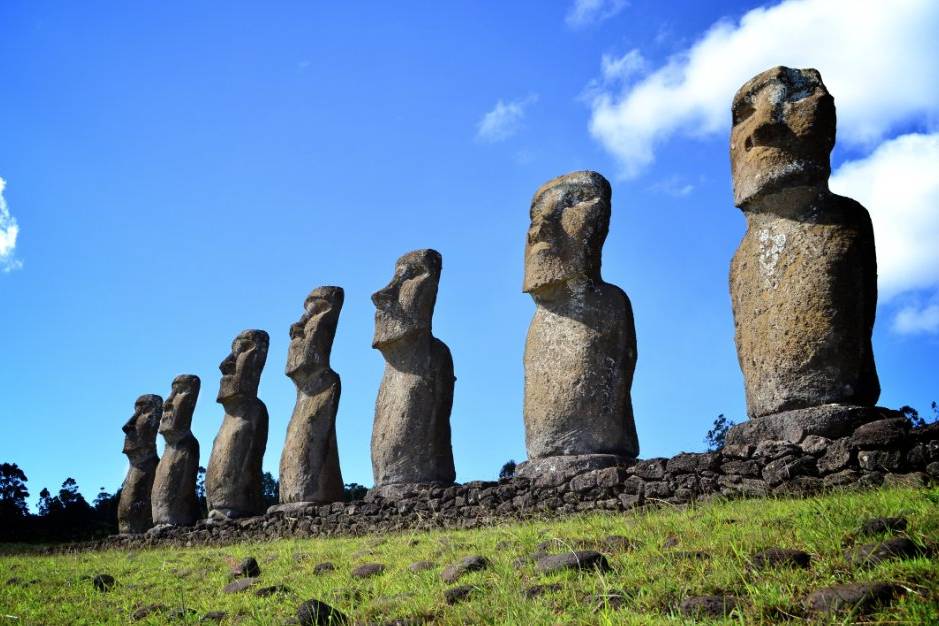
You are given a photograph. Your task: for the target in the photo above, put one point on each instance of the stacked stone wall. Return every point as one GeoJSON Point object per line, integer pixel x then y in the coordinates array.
{"type": "Point", "coordinates": [884, 452]}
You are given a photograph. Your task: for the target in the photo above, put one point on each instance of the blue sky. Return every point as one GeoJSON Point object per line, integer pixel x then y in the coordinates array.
{"type": "Point", "coordinates": [175, 174]}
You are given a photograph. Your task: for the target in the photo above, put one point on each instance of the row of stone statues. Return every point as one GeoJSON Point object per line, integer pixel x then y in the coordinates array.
{"type": "Point", "coordinates": [803, 289]}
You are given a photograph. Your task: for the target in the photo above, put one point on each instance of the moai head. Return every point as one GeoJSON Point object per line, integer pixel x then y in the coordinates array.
{"type": "Point", "coordinates": [404, 308]}
{"type": "Point", "coordinates": [140, 431]}
{"type": "Point", "coordinates": [311, 337]}
{"type": "Point", "coordinates": [783, 132]}
{"type": "Point", "coordinates": [241, 370]}
{"type": "Point", "coordinates": [570, 218]}
{"type": "Point", "coordinates": [179, 406]}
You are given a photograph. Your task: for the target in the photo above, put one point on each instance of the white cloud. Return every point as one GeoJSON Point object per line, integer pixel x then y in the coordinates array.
{"type": "Point", "coordinates": [914, 319]}
{"type": "Point", "coordinates": [879, 60]}
{"type": "Point", "coordinates": [504, 120]}
{"type": "Point", "coordinates": [899, 184]}
{"type": "Point", "coordinates": [9, 230]}
{"type": "Point", "coordinates": [673, 186]}
{"type": "Point", "coordinates": [585, 12]}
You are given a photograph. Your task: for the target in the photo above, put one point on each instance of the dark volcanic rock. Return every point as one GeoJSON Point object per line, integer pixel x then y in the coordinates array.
{"type": "Point", "coordinates": [322, 568]}
{"type": "Point", "coordinates": [272, 590]}
{"type": "Point", "coordinates": [248, 568]}
{"type": "Point", "coordinates": [146, 611]}
{"type": "Point", "coordinates": [881, 525]}
{"type": "Point", "coordinates": [860, 597]}
{"type": "Point", "coordinates": [103, 582]}
{"type": "Point", "coordinates": [421, 566]}
{"type": "Point", "coordinates": [240, 585]}
{"type": "Point", "coordinates": [884, 433]}
{"type": "Point", "coordinates": [871, 554]}
{"type": "Point", "coordinates": [214, 616]}
{"type": "Point", "coordinates": [453, 572]}
{"type": "Point", "coordinates": [780, 557]}
{"type": "Point", "coordinates": [708, 606]}
{"type": "Point", "coordinates": [316, 613]}
{"type": "Point", "coordinates": [537, 590]}
{"type": "Point", "coordinates": [580, 559]}
{"type": "Point", "coordinates": [367, 570]}
{"type": "Point", "coordinates": [458, 593]}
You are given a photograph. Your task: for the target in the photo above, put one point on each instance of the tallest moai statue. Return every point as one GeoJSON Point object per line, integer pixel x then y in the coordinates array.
{"type": "Point", "coordinates": [581, 347]}
{"type": "Point", "coordinates": [804, 280]}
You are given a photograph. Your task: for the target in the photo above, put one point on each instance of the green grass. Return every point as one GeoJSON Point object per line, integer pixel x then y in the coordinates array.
{"type": "Point", "coordinates": [652, 581]}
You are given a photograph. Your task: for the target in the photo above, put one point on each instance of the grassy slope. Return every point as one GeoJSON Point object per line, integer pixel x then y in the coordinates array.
{"type": "Point", "coordinates": [653, 581]}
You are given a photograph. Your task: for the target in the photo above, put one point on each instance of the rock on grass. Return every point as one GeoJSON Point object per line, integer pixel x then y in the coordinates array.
{"type": "Point", "coordinates": [859, 597]}
{"type": "Point", "coordinates": [883, 525]}
{"type": "Point", "coordinates": [368, 570]}
{"type": "Point", "coordinates": [420, 566]}
{"type": "Point", "coordinates": [780, 557]}
{"type": "Point", "coordinates": [316, 613]}
{"type": "Point", "coordinates": [240, 585]}
{"type": "Point", "coordinates": [577, 560]}
{"type": "Point", "coordinates": [871, 554]}
{"type": "Point", "coordinates": [452, 573]}
{"type": "Point", "coordinates": [708, 606]}
{"type": "Point", "coordinates": [103, 582]}
{"type": "Point", "coordinates": [453, 595]}
{"type": "Point", "coordinates": [248, 568]}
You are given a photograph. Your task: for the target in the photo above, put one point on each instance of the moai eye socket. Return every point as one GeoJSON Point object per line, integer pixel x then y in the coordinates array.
{"type": "Point", "coordinates": [741, 111]}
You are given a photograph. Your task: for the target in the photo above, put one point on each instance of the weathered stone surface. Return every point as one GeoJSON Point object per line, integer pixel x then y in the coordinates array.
{"type": "Point", "coordinates": [581, 347]}
{"type": "Point", "coordinates": [558, 469]}
{"type": "Point", "coordinates": [858, 597]}
{"type": "Point", "coordinates": [804, 279]}
{"type": "Point", "coordinates": [134, 513]}
{"type": "Point", "coordinates": [174, 498]}
{"type": "Point", "coordinates": [421, 566]}
{"type": "Point", "coordinates": [309, 463]}
{"type": "Point", "coordinates": [316, 613]}
{"type": "Point", "coordinates": [871, 554]}
{"type": "Point", "coordinates": [880, 460]}
{"type": "Point", "coordinates": [880, 525]}
{"type": "Point", "coordinates": [708, 606]}
{"type": "Point", "coordinates": [454, 572]}
{"type": "Point", "coordinates": [828, 420]}
{"type": "Point", "coordinates": [233, 476]}
{"type": "Point", "coordinates": [458, 594]}
{"type": "Point", "coordinates": [247, 568]}
{"type": "Point", "coordinates": [578, 559]}
{"type": "Point", "coordinates": [103, 582]}
{"type": "Point", "coordinates": [411, 433]}
{"type": "Point", "coordinates": [883, 433]}
{"type": "Point", "coordinates": [780, 557]}
{"type": "Point", "coordinates": [368, 570]}
{"type": "Point", "coordinates": [240, 585]}
{"type": "Point", "coordinates": [837, 456]}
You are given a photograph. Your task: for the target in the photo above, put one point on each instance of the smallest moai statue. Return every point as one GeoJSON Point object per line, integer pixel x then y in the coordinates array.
{"type": "Point", "coordinates": [174, 488]}
{"type": "Point", "coordinates": [140, 431]}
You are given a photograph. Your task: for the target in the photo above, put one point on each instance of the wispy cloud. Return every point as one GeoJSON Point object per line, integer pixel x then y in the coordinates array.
{"type": "Point", "coordinates": [586, 12]}
{"type": "Point", "coordinates": [899, 184]}
{"type": "Point", "coordinates": [690, 94]}
{"type": "Point", "coordinates": [504, 120]}
{"type": "Point", "coordinates": [9, 230]}
{"type": "Point", "coordinates": [673, 186]}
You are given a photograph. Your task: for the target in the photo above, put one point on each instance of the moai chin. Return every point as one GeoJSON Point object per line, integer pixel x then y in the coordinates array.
{"type": "Point", "coordinates": [140, 431]}
{"type": "Point", "coordinates": [580, 352]}
{"type": "Point", "coordinates": [309, 463]}
{"type": "Point", "coordinates": [803, 281]}
{"type": "Point", "coordinates": [233, 486]}
{"type": "Point", "coordinates": [411, 434]}
{"type": "Point", "coordinates": [174, 499]}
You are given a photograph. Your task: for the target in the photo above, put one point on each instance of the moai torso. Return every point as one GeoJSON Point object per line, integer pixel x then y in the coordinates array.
{"type": "Point", "coordinates": [580, 352]}
{"type": "Point", "coordinates": [174, 488]}
{"type": "Point", "coordinates": [233, 478]}
{"type": "Point", "coordinates": [804, 280]}
{"type": "Point", "coordinates": [411, 433]}
{"type": "Point", "coordinates": [133, 508]}
{"type": "Point", "coordinates": [309, 463]}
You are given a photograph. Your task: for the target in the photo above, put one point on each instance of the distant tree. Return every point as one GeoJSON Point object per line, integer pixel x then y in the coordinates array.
{"type": "Point", "coordinates": [714, 439]}
{"type": "Point", "coordinates": [47, 504]}
{"type": "Point", "coordinates": [353, 491]}
{"type": "Point", "coordinates": [935, 411]}
{"type": "Point", "coordinates": [200, 491]}
{"type": "Point", "coordinates": [912, 416]}
{"type": "Point", "coordinates": [269, 489]}
{"type": "Point", "coordinates": [508, 470]}
{"type": "Point", "coordinates": [105, 507]}
{"type": "Point", "coordinates": [14, 512]}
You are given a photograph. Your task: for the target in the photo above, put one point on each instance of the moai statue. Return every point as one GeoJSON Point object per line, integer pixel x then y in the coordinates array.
{"type": "Point", "coordinates": [233, 477]}
{"type": "Point", "coordinates": [411, 433]}
{"type": "Point", "coordinates": [174, 488]}
{"type": "Point", "coordinates": [309, 463]}
{"type": "Point", "coordinates": [804, 280]}
{"type": "Point", "coordinates": [140, 431]}
{"type": "Point", "coordinates": [580, 353]}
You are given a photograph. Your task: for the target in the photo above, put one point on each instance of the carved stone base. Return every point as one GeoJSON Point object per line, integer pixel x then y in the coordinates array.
{"type": "Point", "coordinates": [294, 508]}
{"type": "Point", "coordinates": [570, 465]}
{"type": "Point", "coordinates": [400, 490]}
{"type": "Point", "coordinates": [828, 420]}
